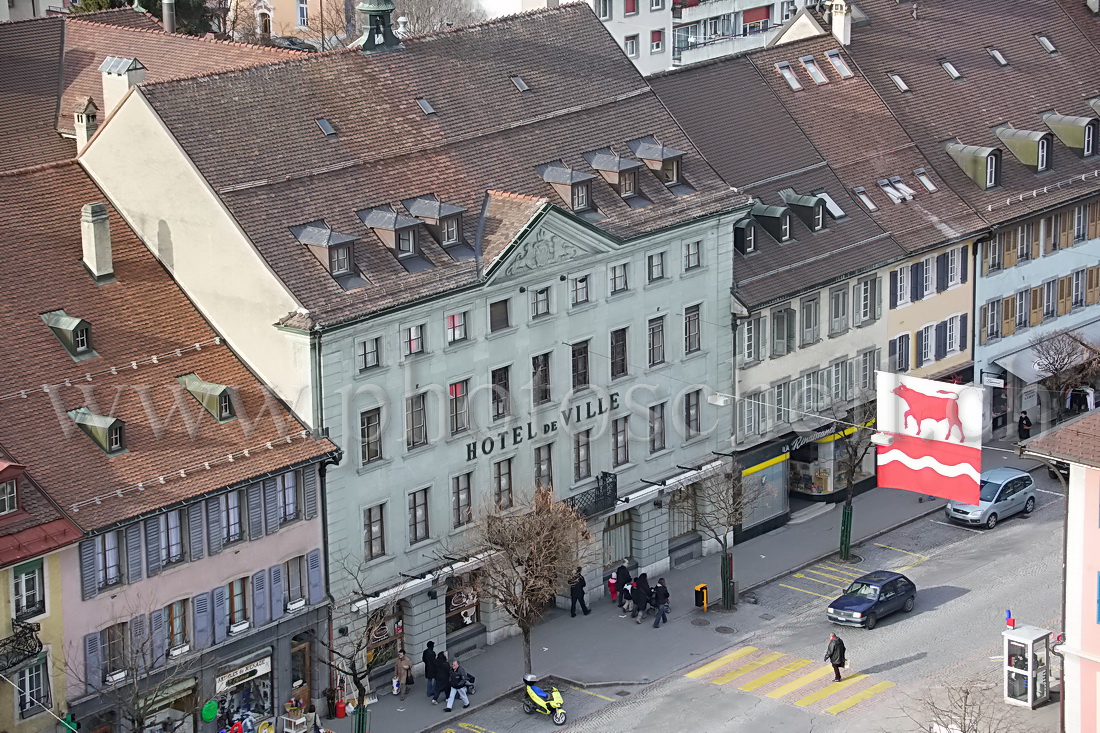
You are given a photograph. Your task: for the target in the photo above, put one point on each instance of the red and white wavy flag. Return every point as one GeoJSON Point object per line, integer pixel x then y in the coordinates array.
{"type": "Point", "coordinates": [936, 429]}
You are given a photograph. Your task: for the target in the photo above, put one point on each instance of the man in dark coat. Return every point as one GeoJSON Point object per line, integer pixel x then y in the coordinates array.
{"type": "Point", "coordinates": [835, 654]}
{"type": "Point", "coordinates": [660, 603]}
{"type": "Point", "coordinates": [442, 677]}
{"type": "Point", "coordinates": [429, 667]}
{"type": "Point", "coordinates": [576, 594]}
{"type": "Point", "coordinates": [1023, 427]}
{"type": "Point", "coordinates": [458, 687]}
{"type": "Point", "coordinates": [640, 594]}
{"type": "Point", "coordinates": [622, 581]}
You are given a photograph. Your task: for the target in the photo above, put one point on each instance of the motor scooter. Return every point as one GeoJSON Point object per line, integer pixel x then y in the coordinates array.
{"type": "Point", "coordinates": [547, 703]}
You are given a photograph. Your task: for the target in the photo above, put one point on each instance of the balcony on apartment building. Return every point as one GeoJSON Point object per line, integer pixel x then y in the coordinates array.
{"type": "Point", "coordinates": [707, 29]}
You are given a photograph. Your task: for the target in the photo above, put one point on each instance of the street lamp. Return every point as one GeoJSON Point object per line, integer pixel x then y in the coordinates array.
{"type": "Point", "coordinates": [719, 399]}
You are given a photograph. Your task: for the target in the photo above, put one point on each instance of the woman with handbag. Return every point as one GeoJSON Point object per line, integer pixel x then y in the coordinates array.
{"type": "Point", "coordinates": [402, 673]}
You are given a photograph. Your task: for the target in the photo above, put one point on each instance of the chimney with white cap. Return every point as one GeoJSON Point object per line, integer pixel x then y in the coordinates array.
{"type": "Point", "coordinates": [168, 15]}
{"type": "Point", "coordinates": [840, 21]}
{"type": "Point", "coordinates": [95, 235]}
{"type": "Point", "coordinates": [119, 74]}
{"type": "Point", "coordinates": [84, 122]}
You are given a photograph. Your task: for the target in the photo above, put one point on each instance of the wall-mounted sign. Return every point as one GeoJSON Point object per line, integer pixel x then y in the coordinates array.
{"type": "Point", "coordinates": [531, 430]}
{"type": "Point", "coordinates": [239, 676]}
{"type": "Point", "coordinates": [991, 381]}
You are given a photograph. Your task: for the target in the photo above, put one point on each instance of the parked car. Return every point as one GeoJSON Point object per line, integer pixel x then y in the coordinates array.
{"type": "Point", "coordinates": [871, 597]}
{"type": "Point", "coordinates": [293, 43]}
{"type": "Point", "coordinates": [1063, 468]}
{"type": "Point", "coordinates": [1003, 492]}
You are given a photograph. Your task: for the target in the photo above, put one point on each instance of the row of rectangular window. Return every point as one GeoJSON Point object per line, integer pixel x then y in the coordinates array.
{"type": "Point", "coordinates": [1028, 241]}
{"type": "Point", "coordinates": [933, 342]}
{"type": "Point", "coordinates": [931, 275]}
{"type": "Point", "coordinates": [1005, 316]}
{"type": "Point", "coordinates": [605, 8]}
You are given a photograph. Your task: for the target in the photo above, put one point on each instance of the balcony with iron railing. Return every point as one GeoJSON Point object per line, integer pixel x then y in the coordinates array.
{"type": "Point", "coordinates": [599, 499]}
{"type": "Point", "coordinates": [695, 49]}
{"type": "Point", "coordinates": [23, 644]}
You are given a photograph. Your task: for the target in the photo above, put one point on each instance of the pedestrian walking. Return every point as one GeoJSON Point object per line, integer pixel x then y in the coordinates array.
{"type": "Point", "coordinates": [312, 720]}
{"type": "Point", "coordinates": [1023, 427]}
{"type": "Point", "coordinates": [429, 668]}
{"type": "Point", "coordinates": [640, 596]}
{"type": "Point", "coordinates": [835, 654]}
{"type": "Point", "coordinates": [576, 594]}
{"type": "Point", "coordinates": [442, 678]}
{"type": "Point", "coordinates": [458, 687]}
{"type": "Point", "coordinates": [660, 603]}
{"type": "Point", "coordinates": [622, 581]}
{"type": "Point", "coordinates": [402, 672]}
{"type": "Point", "coordinates": [626, 601]}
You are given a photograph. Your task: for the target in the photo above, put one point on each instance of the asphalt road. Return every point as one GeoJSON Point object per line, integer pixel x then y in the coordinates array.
{"type": "Point", "coordinates": [774, 679]}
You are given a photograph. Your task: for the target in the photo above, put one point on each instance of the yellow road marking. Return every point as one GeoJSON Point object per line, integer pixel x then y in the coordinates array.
{"type": "Point", "coordinates": [823, 582]}
{"type": "Point", "coordinates": [770, 676]}
{"type": "Point", "coordinates": [842, 571]}
{"type": "Point", "coordinates": [833, 687]}
{"type": "Point", "coordinates": [800, 682]}
{"type": "Point", "coordinates": [589, 692]}
{"type": "Point", "coordinates": [720, 662]}
{"type": "Point", "coordinates": [755, 664]}
{"type": "Point", "coordinates": [791, 587]}
{"type": "Point", "coordinates": [827, 575]}
{"type": "Point", "coordinates": [871, 691]}
{"type": "Point", "coordinates": [921, 558]}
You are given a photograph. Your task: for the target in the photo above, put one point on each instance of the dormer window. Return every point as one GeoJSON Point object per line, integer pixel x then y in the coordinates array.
{"type": "Point", "coordinates": [339, 260]}
{"type": "Point", "coordinates": [1089, 147]}
{"type": "Point", "coordinates": [982, 165]}
{"type": "Point", "coordinates": [217, 399]}
{"type": "Point", "coordinates": [670, 171]}
{"type": "Point", "coordinates": [750, 238]}
{"type": "Point", "coordinates": [1042, 161]}
{"type": "Point", "coordinates": [406, 242]}
{"type": "Point", "coordinates": [400, 233]}
{"type": "Point", "coordinates": [628, 184]}
{"type": "Point", "coordinates": [109, 433]}
{"type": "Point", "coordinates": [443, 221]}
{"type": "Point", "coordinates": [580, 197]}
{"type": "Point", "coordinates": [992, 170]}
{"type": "Point", "coordinates": [621, 172]}
{"type": "Point", "coordinates": [572, 185]}
{"type": "Point", "coordinates": [335, 251]}
{"type": "Point", "coordinates": [449, 230]}
{"type": "Point", "coordinates": [75, 334]}
{"type": "Point", "coordinates": [785, 231]}
{"type": "Point", "coordinates": [9, 496]}
{"type": "Point", "coordinates": [819, 218]}
{"type": "Point", "coordinates": [744, 236]}
{"type": "Point", "coordinates": [666, 162]}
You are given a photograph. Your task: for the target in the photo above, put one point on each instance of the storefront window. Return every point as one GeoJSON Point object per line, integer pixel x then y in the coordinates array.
{"type": "Point", "coordinates": [244, 694]}
{"type": "Point", "coordinates": [681, 509]}
{"type": "Point", "coordinates": [616, 539]}
{"type": "Point", "coordinates": [463, 607]}
{"type": "Point", "coordinates": [385, 638]}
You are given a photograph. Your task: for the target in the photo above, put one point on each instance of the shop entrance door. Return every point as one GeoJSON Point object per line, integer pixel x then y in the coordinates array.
{"type": "Point", "coordinates": [299, 672]}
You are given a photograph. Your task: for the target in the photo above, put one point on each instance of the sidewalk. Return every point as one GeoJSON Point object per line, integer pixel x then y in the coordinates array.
{"type": "Point", "coordinates": [605, 648]}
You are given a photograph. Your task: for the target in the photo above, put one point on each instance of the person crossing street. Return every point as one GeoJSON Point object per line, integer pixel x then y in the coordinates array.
{"type": "Point", "coordinates": [835, 654]}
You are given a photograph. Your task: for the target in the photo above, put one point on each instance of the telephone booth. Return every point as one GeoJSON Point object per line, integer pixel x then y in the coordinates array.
{"type": "Point", "coordinates": [1027, 666]}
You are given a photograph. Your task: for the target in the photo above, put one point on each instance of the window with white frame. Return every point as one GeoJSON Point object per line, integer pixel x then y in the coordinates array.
{"type": "Point", "coordinates": [751, 413]}
{"type": "Point", "coordinates": [868, 365]}
{"type": "Point", "coordinates": [656, 41]}
{"type": "Point", "coordinates": [175, 622]}
{"type": "Point", "coordinates": [753, 339]}
{"type": "Point", "coordinates": [540, 302]}
{"type": "Point", "coordinates": [781, 401]}
{"type": "Point", "coordinates": [620, 446]}
{"type": "Point", "coordinates": [630, 46]}
{"type": "Point", "coordinates": [1022, 316]}
{"type": "Point", "coordinates": [839, 380]}
{"type": "Point", "coordinates": [108, 558]}
{"type": "Point", "coordinates": [953, 271]}
{"type": "Point", "coordinates": [456, 327]}
{"type": "Point", "coordinates": [1078, 293]}
{"type": "Point", "coordinates": [928, 269]}
{"type": "Point", "coordinates": [618, 278]}
{"type": "Point", "coordinates": [996, 254]}
{"type": "Point", "coordinates": [1042, 161]}
{"type": "Point", "coordinates": [811, 317]}
{"type": "Point", "coordinates": [230, 507]}
{"type": "Point", "coordinates": [303, 14]}
{"type": "Point", "coordinates": [1024, 234]}
{"type": "Point", "coordinates": [578, 290]}
{"type": "Point", "coordinates": [952, 331]}
{"type": "Point", "coordinates": [992, 174]}
{"type": "Point", "coordinates": [1080, 223]}
{"type": "Point", "coordinates": [449, 230]}
{"type": "Point", "coordinates": [581, 200]}
{"type": "Point", "coordinates": [993, 319]}
{"type": "Point", "coordinates": [657, 428]}
{"type": "Point", "coordinates": [603, 9]}
{"type": "Point", "coordinates": [9, 496]}
{"type": "Point", "coordinates": [33, 685]}
{"type": "Point", "coordinates": [339, 260]}
{"type": "Point", "coordinates": [172, 526]}
{"type": "Point", "coordinates": [785, 231]}
{"type": "Point", "coordinates": [838, 310]}
{"type": "Point", "coordinates": [406, 242]}
{"type": "Point", "coordinates": [867, 291]}
{"type": "Point", "coordinates": [901, 285]}
{"type": "Point", "coordinates": [288, 485]}
{"type": "Point", "coordinates": [1050, 298]}
{"type": "Point", "coordinates": [28, 590]}
{"type": "Point", "coordinates": [368, 353]}
{"type": "Point", "coordinates": [656, 266]}
{"type": "Point", "coordinates": [459, 406]}
{"type": "Point", "coordinates": [926, 343]}
{"type": "Point", "coordinates": [414, 340]}
{"type": "Point", "coordinates": [692, 255]}
{"type": "Point", "coordinates": [899, 354]}
{"type": "Point", "coordinates": [582, 456]}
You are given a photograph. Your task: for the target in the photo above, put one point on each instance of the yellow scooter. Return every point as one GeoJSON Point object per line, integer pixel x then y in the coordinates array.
{"type": "Point", "coordinates": [547, 703]}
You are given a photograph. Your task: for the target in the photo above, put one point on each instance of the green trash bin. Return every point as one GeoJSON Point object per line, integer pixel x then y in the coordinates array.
{"type": "Point", "coordinates": [360, 720]}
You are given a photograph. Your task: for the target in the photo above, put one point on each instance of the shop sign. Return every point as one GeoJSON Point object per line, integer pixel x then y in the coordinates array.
{"type": "Point", "coordinates": [239, 676]}
{"type": "Point", "coordinates": [531, 430]}
{"type": "Point", "coordinates": [991, 381]}
{"type": "Point", "coordinates": [801, 440]}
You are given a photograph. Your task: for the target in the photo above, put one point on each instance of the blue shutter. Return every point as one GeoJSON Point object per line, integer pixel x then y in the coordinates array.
{"type": "Point", "coordinates": [903, 352]}
{"type": "Point", "coordinates": [941, 340]}
{"type": "Point", "coordinates": [93, 663]}
{"type": "Point", "coordinates": [271, 505]}
{"type": "Point", "coordinates": [962, 330]}
{"type": "Point", "coordinates": [278, 603]}
{"type": "Point", "coordinates": [916, 281]}
{"type": "Point", "coordinates": [261, 608]}
{"type": "Point", "coordinates": [220, 602]}
{"type": "Point", "coordinates": [152, 546]}
{"type": "Point", "coordinates": [194, 530]}
{"type": "Point", "coordinates": [893, 364]}
{"type": "Point", "coordinates": [893, 289]}
{"type": "Point", "coordinates": [309, 491]}
{"type": "Point", "coordinates": [159, 645]}
{"type": "Point", "coordinates": [941, 273]}
{"type": "Point", "coordinates": [139, 644]}
{"type": "Point", "coordinates": [214, 525]}
{"type": "Point", "coordinates": [132, 535]}
{"type": "Point", "coordinates": [316, 578]}
{"type": "Point", "coordinates": [920, 348]}
{"type": "Point", "coordinates": [203, 636]}
{"type": "Point", "coordinates": [89, 584]}
{"type": "Point", "coordinates": [964, 262]}
{"type": "Point", "coordinates": [255, 512]}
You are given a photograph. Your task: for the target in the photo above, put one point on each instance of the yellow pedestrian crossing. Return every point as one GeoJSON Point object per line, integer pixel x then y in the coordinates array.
{"type": "Point", "coordinates": [790, 679]}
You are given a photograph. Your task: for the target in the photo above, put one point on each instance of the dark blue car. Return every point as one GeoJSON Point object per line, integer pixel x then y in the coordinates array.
{"type": "Point", "coordinates": [871, 597]}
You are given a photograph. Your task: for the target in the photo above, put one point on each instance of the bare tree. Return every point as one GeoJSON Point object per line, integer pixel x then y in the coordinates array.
{"type": "Point", "coordinates": [974, 706]}
{"type": "Point", "coordinates": [854, 445]}
{"type": "Point", "coordinates": [717, 505]}
{"type": "Point", "coordinates": [1064, 359]}
{"type": "Point", "coordinates": [526, 554]}
{"type": "Point", "coordinates": [431, 15]}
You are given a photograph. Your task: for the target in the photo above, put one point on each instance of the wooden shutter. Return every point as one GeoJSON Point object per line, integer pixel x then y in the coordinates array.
{"type": "Point", "coordinates": [940, 347]}
{"type": "Point", "coordinates": [1036, 306]}
{"type": "Point", "coordinates": [1047, 229]}
{"type": "Point", "coordinates": [152, 546]}
{"type": "Point", "coordinates": [93, 663]}
{"type": "Point", "coordinates": [202, 636]}
{"type": "Point", "coordinates": [919, 356]}
{"type": "Point", "coordinates": [139, 643]}
{"type": "Point", "coordinates": [309, 491]}
{"type": "Point", "coordinates": [1008, 247]}
{"type": "Point", "coordinates": [1092, 286]}
{"type": "Point", "coordinates": [983, 332]}
{"type": "Point", "coordinates": [892, 355]}
{"type": "Point", "coordinates": [876, 297]}
{"type": "Point", "coordinates": [964, 263]}
{"type": "Point", "coordinates": [89, 583]}
{"type": "Point", "coordinates": [987, 246]}
{"type": "Point", "coordinates": [271, 505]}
{"type": "Point", "coordinates": [158, 644]}
{"type": "Point", "coordinates": [1065, 237]}
{"type": "Point", "coordinates": [1065, 289]}
{"type": "Point", "coordinates": [316, 579]}
{"type": "Point", "coordinates": [893, 289]}
{"type": "Point", "coordinates": [194, 530]}
{"type": "Point", "coordinates": [255, 499]}
{"type": "Point", "coordinates": [214, 525]}
{"type": "Point", "coordinates": [219, 602]}
{"type": "Point", "coordinates": [963, 325]}
{"type": "Point", "coordinates": [904, 352]}
{"type": "Point", "coordinates": [261, 606]}
{"type": "Point", "coordinates": [275, 592]}
{"type": "Point", "coordinates": [1008, 315]}
{"type": "Point", "coordinates": [1094, 219]}
{"type": "Point", "coordinates": [132, 535]}
{"type": "Point", "coordinates": [1036, 244]}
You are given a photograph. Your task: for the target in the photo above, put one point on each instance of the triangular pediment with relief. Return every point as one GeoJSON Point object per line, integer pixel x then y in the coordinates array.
{"type": "Point", "coordinates": [546, 250]}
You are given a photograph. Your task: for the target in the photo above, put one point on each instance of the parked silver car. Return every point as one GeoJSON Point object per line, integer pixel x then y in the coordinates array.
{"type": "Point", "coordinates": [1004, 492]}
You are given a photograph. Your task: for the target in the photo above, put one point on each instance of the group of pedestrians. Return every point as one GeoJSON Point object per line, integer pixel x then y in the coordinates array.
{"type": "Point", "coordinates": [445, 678]}
{"type": "Point", "coordinates": [635, 596]}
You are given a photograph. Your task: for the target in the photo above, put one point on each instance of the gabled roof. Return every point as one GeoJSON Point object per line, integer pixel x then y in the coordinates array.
{"type": "Point", "coordinates": [1073, 441]}
{"type": "Point", "coordinates": [259, 147]}
{"type": "Point", "coordinates": [142, 314]}
{"type": "Point", "coordinates": [37, 526]}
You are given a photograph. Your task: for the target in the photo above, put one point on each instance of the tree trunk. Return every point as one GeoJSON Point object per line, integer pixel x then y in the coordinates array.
{"type": "Point", "coordinates": [526, 649]}
{"type": "Point", "coordinates": [729, 578]}
{"type": "Point", "coordinates": [357, 678]}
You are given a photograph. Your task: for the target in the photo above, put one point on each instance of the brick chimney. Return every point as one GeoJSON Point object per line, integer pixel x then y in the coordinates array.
{"type": "Point", "coordinates": [95, 235]}
{"type": "Point", "coordinates": [119, 74]}
{"type": "Point", "coordinates": [84, 122]}
{"type": "Point", "coordinates": [840, 21]}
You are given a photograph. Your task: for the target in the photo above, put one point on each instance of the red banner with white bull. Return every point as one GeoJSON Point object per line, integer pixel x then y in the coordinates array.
{"type": "Point", "coordinates": [933, 437]}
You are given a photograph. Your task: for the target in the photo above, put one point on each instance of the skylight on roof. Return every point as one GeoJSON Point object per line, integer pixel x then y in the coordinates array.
{"type": "Point", "coordinates": [809, 63]}
{"type": "Point", "coordinates": [864, 199]}
{"type": "Point", "coordinates": [898, 82]}
{"type": "Point", "coordinates": [900, 185]}
{"type": "Point", "coordinates": [950, 69]}
{"type": "Point", "coordinates": [788, 73]}
{"type": "Point", "coordinates": [830, 205]}
{"type": "Point", "coordinates": [998, 56]}
{"type": "Point", "coordinates": [925, 181]}
{"type": "Point", "coordinates": [426, 106]}
{"type": "Point", "coordinates": [520, 83]}
{"type": "Point", "coordinates": [1046, 43]}
{"type": "Point", "coordinates": [892, 193]}
{"type": "Point", "coordinates": [326, 126]}
{"type": "Point", "coordinates": [839, 64]}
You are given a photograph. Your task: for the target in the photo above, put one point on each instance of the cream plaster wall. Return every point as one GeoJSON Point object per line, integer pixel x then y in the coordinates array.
{"type": "Point", "coordinates": [182, 221]}
{"type": "Point", "coordinates": [1082, 586]}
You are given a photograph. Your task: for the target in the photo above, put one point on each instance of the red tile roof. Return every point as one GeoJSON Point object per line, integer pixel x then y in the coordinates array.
{"type": "Point", "coordinates": [141, 315]}
{"type": "Point", "coordinates": [36, 527]}
{"type": "Point", "coordinates": [125, 17]}
{"type": "Point", "coordinates": [1076, 441]}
